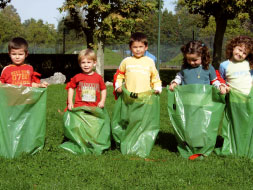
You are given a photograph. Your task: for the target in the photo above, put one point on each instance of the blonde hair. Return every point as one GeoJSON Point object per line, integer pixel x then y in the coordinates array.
{"type": "Point", "coordinates": [88, 53]}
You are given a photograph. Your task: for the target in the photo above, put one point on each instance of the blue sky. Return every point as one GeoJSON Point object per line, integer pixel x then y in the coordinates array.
{"type": "Point", "coordinates": [47, 9]}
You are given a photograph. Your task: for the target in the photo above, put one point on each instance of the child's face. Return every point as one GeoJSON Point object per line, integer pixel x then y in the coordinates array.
{"type": "Point", "coordinates": [193, 59]}
{"type": "Point", "coordinates": [138, 49]}
{"type": "Point", "coordinates": [240, 53]}
{"type": "Point", "coordinates": [87, 65]}
{"type": "Point", "coordinates": [18, 56]}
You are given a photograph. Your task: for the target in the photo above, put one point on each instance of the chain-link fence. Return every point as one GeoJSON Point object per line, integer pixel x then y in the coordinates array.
{"type": "Point", "coordinates": [170, 54]}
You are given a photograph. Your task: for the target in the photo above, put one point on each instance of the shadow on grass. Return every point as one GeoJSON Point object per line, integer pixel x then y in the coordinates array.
{"type": "Point", "coordinates": [167, 141]}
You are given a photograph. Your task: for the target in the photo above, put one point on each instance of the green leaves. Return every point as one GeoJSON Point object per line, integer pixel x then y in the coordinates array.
{"type": "Point", "coordinates": [10, 24]}
{"type": "Point", "coordinates": [3, 3]}
{"type": "Point", "coordinates": [108, 19]}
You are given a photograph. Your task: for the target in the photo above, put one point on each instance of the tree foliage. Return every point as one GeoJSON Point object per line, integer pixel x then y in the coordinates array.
{"type": "Point", "coordinates": [10, 24]}
{"type": "Point", "coordinates": [35, 32]}
{"type": "Point", "coordinates": [3, 3]}
{"type": "Point", "coordinates": [74, 39]}
{"type": "Point", "coordinates": [222, 11]}
{"type": "Point", "coordinates": [38, 33]}
{"type": "Point", "coordinates": [106, 19]}
{"type": "Point", "coordinates": [102, 19]}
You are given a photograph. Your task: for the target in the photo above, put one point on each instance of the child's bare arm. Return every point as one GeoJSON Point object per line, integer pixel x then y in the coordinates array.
{"type": "Point", "coordinates": [40, 85]}
{"type": "Point", "coordinates": [70, 98]}
{"type": "Point", "coordinates": [101, 104]}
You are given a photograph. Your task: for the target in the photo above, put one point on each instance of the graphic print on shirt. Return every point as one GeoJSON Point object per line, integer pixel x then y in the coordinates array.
{"type": "Point", "coordinates": [20, 77]}
{"type": "Point", "coordinates": [88, 91]}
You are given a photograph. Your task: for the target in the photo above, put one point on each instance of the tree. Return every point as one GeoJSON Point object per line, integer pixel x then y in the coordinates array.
{"type": "Point", "coordinates": [222, 11]}
{"type": "Point", "coordinates": [102, 19]}
{"type": "Point", "coordinates": [72, 38]}
{"type": "Point", "coordinates": [183, 25]}
{"type": "Point", "coordinates": [235, 27]}
{"type": "Point", "coordinates": [10, 24]}
{"type": "Point", "coordinates": [39, 34]}
{"type": "Point", "coordinates": [3, 3]}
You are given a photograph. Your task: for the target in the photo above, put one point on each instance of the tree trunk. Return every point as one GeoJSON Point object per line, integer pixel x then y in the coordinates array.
{"type": "Point", "coordinates": [221, 24]}
{"type": "Point", "coordinates": [100, 59]}
{"type": "Point", "coordinates": [89, 38]}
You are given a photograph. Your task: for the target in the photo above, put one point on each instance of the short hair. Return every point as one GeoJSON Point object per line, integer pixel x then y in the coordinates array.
{"type": "Point", "coordinates": [199, 48]}
{"type": "Point", "coordinates": [89, 53]}
{"type": "Point", "coordinates": [139, 37]}
{"type": "Point", "coordinates": [239, 41]}
{"type": "Point", "coordinates": [18, 43]}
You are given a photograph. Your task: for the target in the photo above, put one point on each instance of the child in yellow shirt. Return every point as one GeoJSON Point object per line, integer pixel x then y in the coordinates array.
{"type": "Point", "coordinates": [138, 71]}
{"type": "Point", "coordinates": [136, 114]}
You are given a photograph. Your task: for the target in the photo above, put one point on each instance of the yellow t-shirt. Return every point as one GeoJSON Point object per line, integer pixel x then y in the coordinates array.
{"type": "Point", "coordinates": [140, 74]}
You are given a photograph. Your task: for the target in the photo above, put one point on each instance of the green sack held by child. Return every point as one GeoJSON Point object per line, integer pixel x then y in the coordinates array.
{"type": "Point", "coordinates": [237, 129]}
{"type": "Point", "coordinates": [88, 129]}
{"type": "Point", "coordinates": [22, 119]}
{"type": "Point", "coordinates": [196, 112]}
{"type": "Point", "coordinates": [136, 122]}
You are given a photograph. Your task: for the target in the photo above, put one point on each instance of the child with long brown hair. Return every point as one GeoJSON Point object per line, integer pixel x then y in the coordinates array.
{"type": "Point", "coordinates": [196, 68]}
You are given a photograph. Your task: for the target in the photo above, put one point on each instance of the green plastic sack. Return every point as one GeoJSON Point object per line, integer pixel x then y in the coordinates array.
{"type": "Point", "coordinates": [22, 119]}
{"type": "Point", "coordinates": [88, 129]}
{"type": "Point", "coordinates": [237, 129]}
{"type": "Point", "coordinates": [196, 112]}
{"type": "Point", "coordinates": [136, 122]}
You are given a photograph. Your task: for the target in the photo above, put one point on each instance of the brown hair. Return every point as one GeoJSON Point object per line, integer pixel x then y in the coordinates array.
{"type": "Point", "coordinates": [241, 41]}
{"type": "Point", "coordinates": [18, 43]}
{"type": "Point", "coordinates": [199, 48]}
{"type": "Point", "coordinates": [139, 37]}
{"type": "Point", "coordinates": [89, 53]}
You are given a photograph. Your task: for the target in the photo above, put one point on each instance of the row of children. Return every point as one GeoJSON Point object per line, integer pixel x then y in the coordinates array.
{"type": "Point", "coordinates": [137, 74]}
{"type": "Point", "coordinates": [235, 70]}
{"type": "Point", "coordinates": [197, 133]}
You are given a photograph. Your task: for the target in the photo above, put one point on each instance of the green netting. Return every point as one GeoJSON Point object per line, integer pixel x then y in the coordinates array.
{"type": "Point", "coordinates": [88, 129]}
{"type": "Point", "coordinates": [136, 122]}
{"type": "Point", "coordinates": [196, 112]}
{"type": "Point", "coordinates": [237, 129]}
{"type": "Point", "coordinates": [22, 119]}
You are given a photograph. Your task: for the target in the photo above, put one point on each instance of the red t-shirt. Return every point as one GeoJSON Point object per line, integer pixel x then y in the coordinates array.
{"type": "Point", "coordinates": [18, 75]}
{"type": "Point", "coordinates": [88, 89]}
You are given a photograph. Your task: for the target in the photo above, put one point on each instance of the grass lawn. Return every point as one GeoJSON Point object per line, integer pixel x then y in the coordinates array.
{"type": "Point", "coordinates": [56, 169]}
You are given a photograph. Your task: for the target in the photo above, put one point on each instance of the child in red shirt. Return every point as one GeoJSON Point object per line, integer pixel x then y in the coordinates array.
{"type": "Point", "coordinates": [19, 73]}
{"type": "Point", "coordinates": [88, 84]}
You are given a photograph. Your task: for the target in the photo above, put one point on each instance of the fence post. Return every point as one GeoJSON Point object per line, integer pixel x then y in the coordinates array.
{"type": "Point", "coordinates": [158, 38]}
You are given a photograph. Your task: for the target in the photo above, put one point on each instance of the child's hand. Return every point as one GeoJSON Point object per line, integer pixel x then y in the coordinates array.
{"type": "Point", "coordinates": [40, 85]}
{"type": "Point", "coordinates": [172, 86]}
{"type": "Point", "coordinates": [101, 104]}
{"type": "Point", "coordinates": [223, 89]}
{"type": "Point", "coordinates": [227, 89]}
{"type": "Point", "coordinates": [70, 106]}
{"type": "Point", "coordinates": [43, 85]}
{"type": "Point", "coordinates": [119, 90]}
{"type": "Point", "coordinates": [157, 92]}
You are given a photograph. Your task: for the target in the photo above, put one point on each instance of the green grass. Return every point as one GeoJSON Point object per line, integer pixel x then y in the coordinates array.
{"type": "Point", "coordinates": [176, 61]}
{"type": "Point", "coordinates": [56, 169]}
{"type": "Point", "coordinates": [112, 58]}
